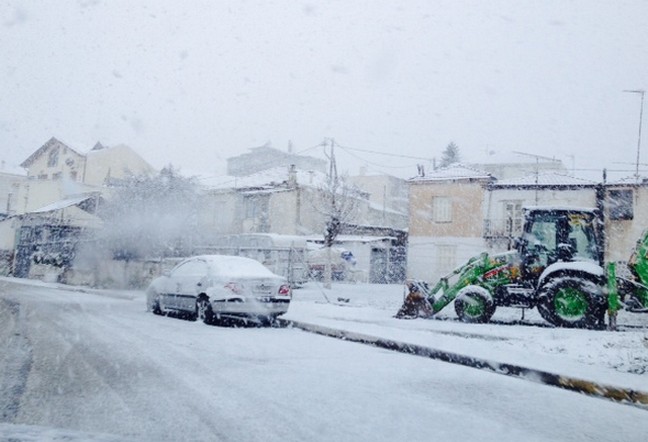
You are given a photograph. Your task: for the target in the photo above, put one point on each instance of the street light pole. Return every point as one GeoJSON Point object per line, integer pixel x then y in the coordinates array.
{"type": "Point", "coordinates": [642, 93]}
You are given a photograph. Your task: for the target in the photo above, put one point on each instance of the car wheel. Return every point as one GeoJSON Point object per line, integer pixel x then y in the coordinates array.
{"type": "Point", "coordinates": [204, 310]}
{"type": "Point", "coordinates": [155, 305]}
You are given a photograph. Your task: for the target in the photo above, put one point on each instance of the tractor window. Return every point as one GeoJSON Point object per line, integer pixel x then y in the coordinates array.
{"type": "Point", "coordinates": [581, 238]}
{"type": "Point", "coordinates": [542, 240]}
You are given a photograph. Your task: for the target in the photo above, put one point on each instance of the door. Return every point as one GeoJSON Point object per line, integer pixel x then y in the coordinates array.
{"type": "Point", "coordinates": [184, 284]}
{"type": "Point", "coordinates": [378, 263]}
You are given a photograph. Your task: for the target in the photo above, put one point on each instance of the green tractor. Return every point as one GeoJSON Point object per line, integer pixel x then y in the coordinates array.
{"type": "Point", "coordinates": [556, 266]}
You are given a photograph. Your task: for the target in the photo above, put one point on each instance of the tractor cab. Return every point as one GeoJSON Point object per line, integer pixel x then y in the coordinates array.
{"type": "Point", "coordinates": [558, 235]}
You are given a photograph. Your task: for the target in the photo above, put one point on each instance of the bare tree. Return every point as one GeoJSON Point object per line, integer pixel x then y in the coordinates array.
{"type": "Point", "coordinates": [151, 216]}
{"type": "Point", "coordinates": [337, 201]}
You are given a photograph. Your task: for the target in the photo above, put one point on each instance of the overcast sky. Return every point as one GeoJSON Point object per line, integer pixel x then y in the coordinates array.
{"type": "Point", "coordinates": [191, 83]}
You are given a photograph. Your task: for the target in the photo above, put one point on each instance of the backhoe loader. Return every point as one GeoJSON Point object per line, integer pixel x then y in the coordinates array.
{"type": "Point", "coordinates": [556, 266]}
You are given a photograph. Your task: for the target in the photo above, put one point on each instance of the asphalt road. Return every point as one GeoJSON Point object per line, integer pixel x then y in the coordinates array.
{"type": "Point", "coordinates": [98, 362]}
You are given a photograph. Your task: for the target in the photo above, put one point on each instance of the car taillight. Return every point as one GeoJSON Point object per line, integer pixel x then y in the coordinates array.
{"type": "Point", "coordinates": [284, 290]}
{"type": "Point", "coordinates": [234, 287]}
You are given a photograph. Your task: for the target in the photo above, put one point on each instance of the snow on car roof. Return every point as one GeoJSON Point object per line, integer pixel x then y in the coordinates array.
{"type": "Point", "coordinates": [237, 266]}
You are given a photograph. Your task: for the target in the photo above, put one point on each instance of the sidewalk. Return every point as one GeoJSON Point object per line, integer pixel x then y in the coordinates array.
{"type": "Point", "coordinates": [617, 358]}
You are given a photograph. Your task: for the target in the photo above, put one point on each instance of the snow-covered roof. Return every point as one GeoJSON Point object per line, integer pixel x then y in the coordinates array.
{"type": "Point", "coordinates": [12, 171]}
{"type": "Point", "coordinates": [51, 142]}
{"type": "Point", "coordinates": [630, 180]}
{"type": "Point", "coordinates": [267, 179]}
{"type": "Point", "coordinates": [511, 157]}
{"type": "Point", "coordinates": [545, 179]}
{"type": "Point", "coordinates": [352, 238]}
{"type": "Point", "coordinates": [455, 171]}
{"type": "Point", "coordinates": [562, 208]}
{"type": "Point", "coordinates": [62, 204]}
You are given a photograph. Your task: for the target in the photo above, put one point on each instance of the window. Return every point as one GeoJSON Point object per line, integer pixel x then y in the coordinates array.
{"type": "Point", "coordinates": [513, 217]}
{"type": "Point", "coordinates": [581, 238]}
{"type": "Point", "coordinates": [441, 209]}
{"type": "Point", "coordinates": [543, 240]}
{"type": "Point", "coordinates": [191, 268]}
{"type": "Point", "coordinates": [52, 160]}
{"type": "Point", "coordinates": [251, 207]}
{"type": "Point", "coordinates": [620, 203]}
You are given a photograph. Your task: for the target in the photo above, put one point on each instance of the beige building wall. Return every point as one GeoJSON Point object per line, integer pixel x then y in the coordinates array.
{"type": "Point", "coordinates": [113, 163]}
{"type": "Point", "coordinates": [34, 193]}
{"type": "Point", "coordinates": [445, 226]}
{"type": "Point", "coordinates": [622, 235]}
{"type": "Point", "coordinates": [503, 208]}
{"type": "Point", "coordinates": [446, 209]}
{"type": "Point", "coordinates": [9, 190]}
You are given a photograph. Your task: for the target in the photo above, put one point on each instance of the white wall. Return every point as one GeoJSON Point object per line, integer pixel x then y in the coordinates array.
{"type": "Point", "coordinates": [430, 258]}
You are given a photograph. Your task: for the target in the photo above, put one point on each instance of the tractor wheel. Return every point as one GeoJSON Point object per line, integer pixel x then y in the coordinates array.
{"type": "Point", "coordinates": [572, 301]}
{"type": "Point", "coordinates": [474, 304]}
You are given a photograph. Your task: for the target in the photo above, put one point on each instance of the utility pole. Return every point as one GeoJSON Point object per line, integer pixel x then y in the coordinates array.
{"type": "Point", "coordinates": [642, 93]}
{"type": "Point", "coordinates": [331, 228]}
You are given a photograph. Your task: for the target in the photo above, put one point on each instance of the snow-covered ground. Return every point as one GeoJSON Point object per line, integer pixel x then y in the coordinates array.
{"type": "Point", "coordinates": [79, 364]}
{"type": "Point", "coordinates": [617, 358]}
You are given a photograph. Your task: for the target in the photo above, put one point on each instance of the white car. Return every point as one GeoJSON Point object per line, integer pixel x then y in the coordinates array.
{"type": "Point", "coordinates": [211, 287]}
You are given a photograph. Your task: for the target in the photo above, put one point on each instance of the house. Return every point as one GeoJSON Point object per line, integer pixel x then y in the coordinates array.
{"type": "Point", "coordinates": [508, 165]}
{"type": "Point", "coordinates": [626, 216]}
{"type": "Point", "coordinates": [106, 165]}
{"type": "Point", "coordinates": [55, 172]}
{"type": "Point", "coordinates": [623, 206]}
{"type": "Point", "coordinates": [289, 201]}
{"type": "Point", "coordinates": [267, 157]}
{"type": "Point", "coordinates": [282, 200]}
{"type": "Point", "coordinates": [445, 219]}
{"type": "Point", "coordinates": [387, 196]}
{"type": "Point", "coordinates": [47, 239]}
{"type": "Point", "coordinates": [444, 233]}
{"type": "Point", "coordinates": [10, 184]}
{"type": "Point", "coordinates": [55, 160]}
{"type": "Point", "coordinates": [505, 200]}
{"type": "Point", "coordinates": [48, 209]}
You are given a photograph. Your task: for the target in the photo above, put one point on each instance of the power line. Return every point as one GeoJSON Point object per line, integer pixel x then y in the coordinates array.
{"type": "Point", "coordinates": [386, 154]}
{"type": "Point", "coordinates": [386, 166]}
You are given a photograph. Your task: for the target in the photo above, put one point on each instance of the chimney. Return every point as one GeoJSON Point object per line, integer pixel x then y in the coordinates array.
{"type": "Point", "coordinates": [292, 176]}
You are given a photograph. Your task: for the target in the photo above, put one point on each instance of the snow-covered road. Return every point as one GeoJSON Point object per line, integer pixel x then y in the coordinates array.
{"type": "Point", "coordinates": [97, 362]}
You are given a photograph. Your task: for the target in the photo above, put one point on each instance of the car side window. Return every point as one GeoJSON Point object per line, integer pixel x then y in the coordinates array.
{"type": "Point", "coordinates": [191, 268]}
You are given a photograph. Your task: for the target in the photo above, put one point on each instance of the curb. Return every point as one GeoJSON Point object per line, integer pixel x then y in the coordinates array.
{"type": "Point", "coordinates": [617, 394]}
